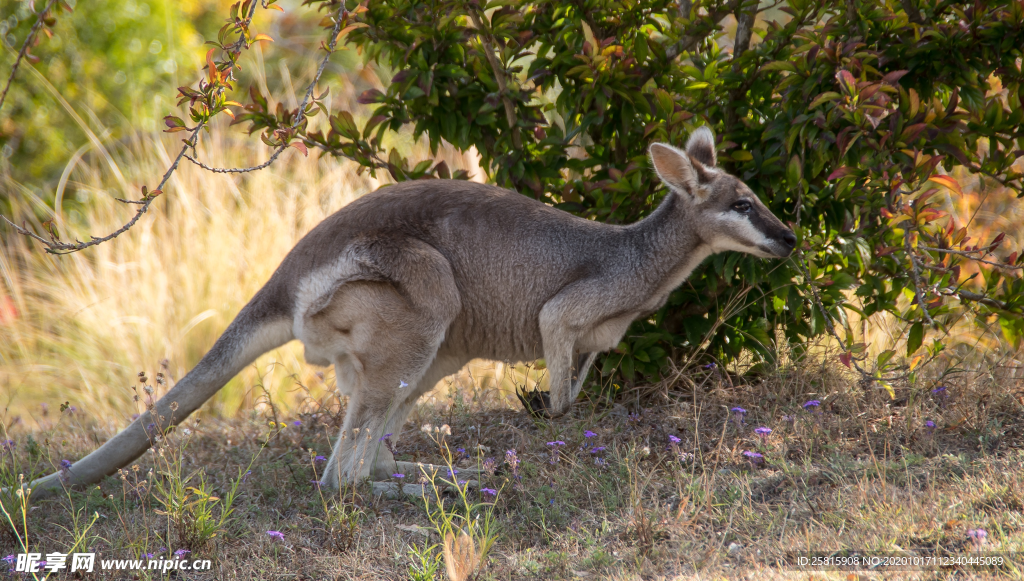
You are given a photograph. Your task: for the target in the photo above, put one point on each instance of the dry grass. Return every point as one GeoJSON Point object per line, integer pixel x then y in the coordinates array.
{"type": "Point", "coordinates": [859, 472]}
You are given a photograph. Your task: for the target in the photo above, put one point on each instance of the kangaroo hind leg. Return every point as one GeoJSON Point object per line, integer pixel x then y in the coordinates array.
{"type": "Point", "coordinates": [386, 337]}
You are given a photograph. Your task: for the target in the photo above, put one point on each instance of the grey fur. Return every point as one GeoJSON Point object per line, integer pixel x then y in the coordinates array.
{"type": "Point", "coordinates": [411, 282]}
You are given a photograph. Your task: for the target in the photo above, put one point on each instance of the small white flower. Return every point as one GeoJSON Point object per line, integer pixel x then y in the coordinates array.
{"type": "Point", "coordinates": [402, 384]}
{"type": "Point", "coordinates": [445, 429]}
{"type": "Point", "coordinates": [187, 432]}
{"type": "Point", "coordinates": [148, 389]}
{"type": "Point", "coordinates": [427, 428]}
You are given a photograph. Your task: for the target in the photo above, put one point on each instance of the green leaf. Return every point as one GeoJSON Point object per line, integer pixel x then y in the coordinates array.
{"type": "Point", "coordinates": [884, 357]}
{"type": "Point", "coordinates": [915, 338]}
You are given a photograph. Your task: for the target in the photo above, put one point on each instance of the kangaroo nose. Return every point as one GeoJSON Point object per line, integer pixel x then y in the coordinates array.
{"type": "Point", "coordinates": [789, 238]}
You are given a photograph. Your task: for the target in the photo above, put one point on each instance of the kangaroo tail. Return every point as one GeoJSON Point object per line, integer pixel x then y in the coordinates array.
{"type": "Point", "coordinates": [250, 335]}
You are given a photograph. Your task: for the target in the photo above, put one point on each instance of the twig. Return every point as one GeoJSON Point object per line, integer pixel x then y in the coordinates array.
{"type": "Point", "coordinates": [499, 76]}
{"type": "Point", "coordinates": [979, 298]}
{"type": "Point", "coordinates": [915, 273]}
{"type": "Point", "coordinates": [54, 246]}
{"type": "Point", "coordinates": [24, 50]}
{"type": "Point", "coordinates": [300, 116]}
{"type": "Point", "coordinates": [971, 254]}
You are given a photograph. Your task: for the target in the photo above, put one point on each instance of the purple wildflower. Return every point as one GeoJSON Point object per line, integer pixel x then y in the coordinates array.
{"type": "Point", "coordinates": [599, 461]}
{"type": "Point", "coordinates": [398, 475]}
{"type": "Point", "coordinates": [673, 439]}
{"type": "Point", "coordinates": [181, 553]}
{"type": "Point", "coordinates": [977, 537]}
{"type": "Point", "coordinates": [10, 559]}
{"type": "Point", "coordinates": [315, 483]}
{"type": "Point", "coordinates": [589, 434]}
{"type": "Point", "coordinates": [297, 423]}
{"type": "Point", "coordinates": [512, 460]}
{"type": "Point", "coordinates": [490, 466]}
{"type": "Point", "coordinates": [489, 491]}
{"type": "Point", "coordinates": [246, 475]}
{"type": "Point", "coordinates": [149, 555]}
{"type": "Point", "coordinates": [7, 445]}
{"type": "Point", "coordinates": [737, 416]}
{"type": "Point", "coordinates": [710, 366]}
{"type": "Point", "coordinates": [65, 469]}
{"type": "Point", "coordinates": [754, 457]}
{"type": "Point", "coordinates": [764, 432]}
{"type": "Point", "coordinates": [402, 384]}
{"type": "Point", "coordinates": [386, 438]}
{"type": "Point", "coordinates": [634, 418]}
{"type": "Point", "coordinates": [452, 472]}
{"type": "Point", "coordinates": [811, 404]}
{"type": "Point", "coordinates": [789, 419]}
{"type": "Point", "coordinates": [276, 535]}
{"type": "Point", "coordinates": [597, 449]}
{"type": "Point", "coordinates": [320, 459]}
{"type": "Point", "coordinates": [555, 446]}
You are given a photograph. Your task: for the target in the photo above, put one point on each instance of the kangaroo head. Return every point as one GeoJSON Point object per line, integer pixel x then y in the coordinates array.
{"type": "Point", "coordinates": [723, 211]}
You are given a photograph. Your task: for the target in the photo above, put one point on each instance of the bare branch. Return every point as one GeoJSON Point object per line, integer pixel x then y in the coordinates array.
{"type": "Point", "coordinates": [915, 272]}
{"type": "Point", "coordinates": [745, 17]}
{"type": "Point", "coordinates": [24, 49]}
{"type": "Point", "coordinates": [980, 298]}
{"type": "Point", "coordinates": [973, 255]}
{"type": "Point", "coordinates": [55, 246]}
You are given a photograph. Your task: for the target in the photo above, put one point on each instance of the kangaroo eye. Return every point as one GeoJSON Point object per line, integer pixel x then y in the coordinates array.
{"type": "Point", "coordinates": [742, 206]}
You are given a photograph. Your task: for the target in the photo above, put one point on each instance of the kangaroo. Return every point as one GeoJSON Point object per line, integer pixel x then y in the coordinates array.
{"type": "Point", "coordinates": [404, 286]}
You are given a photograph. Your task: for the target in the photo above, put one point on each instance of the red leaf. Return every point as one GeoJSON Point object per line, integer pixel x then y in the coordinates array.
{"type": "Point", "coordinates": [893, 77]}
{"type": "Point", "coordinates": [371, 96]}
{"type": "Point", "coordinates": [1012, 259]}
{"type": "Point", "coordinates": [996, 241]}
{"type": "Point", "coordinates": [845, 358]}
{"type": "Point", "coordinates": [300, 146]}
{"type": "Point", "coordinates": [840, 173]}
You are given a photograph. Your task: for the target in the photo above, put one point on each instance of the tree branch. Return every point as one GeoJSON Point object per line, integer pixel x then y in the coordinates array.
{"type": "Point", "coordinates": [973, 255]}
{"type": "Point", "coordinates": [300, 115]}
{"type": "Point", "coordinates": [24, 49]}
{"type": "Point", "coordinates": [499, 76]}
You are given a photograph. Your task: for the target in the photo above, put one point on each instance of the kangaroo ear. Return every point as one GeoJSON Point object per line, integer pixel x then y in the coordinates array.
{"type": "Point", "coordinates": [674, 168]}
{"type": "Point", "coordinates": [701, 146]}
